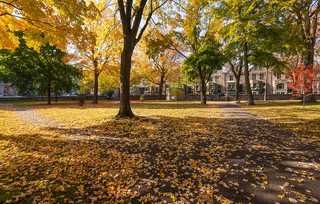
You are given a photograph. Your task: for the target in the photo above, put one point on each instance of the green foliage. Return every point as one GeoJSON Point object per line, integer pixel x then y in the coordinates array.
{"type": "Point", "coordinates": [142, 98]}
{"type": "Point", "coordinates": [204, 61]}
{"type": "Point", "coordinates": [263, 25]}
{"type": "Point", "coordinates": [29, 71]}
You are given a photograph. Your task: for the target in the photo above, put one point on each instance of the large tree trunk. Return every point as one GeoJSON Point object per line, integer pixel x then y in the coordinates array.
{"type": "Point", "coordinates": [125, 68]}
{"type": "Point", "coordinates": [237, 87]}
{"type": "Point", "coordinates": [308, 58]}
{"type": "Point", "coordinates": [203, 90]}
{"type": "Point", "coordinates": [266, 86]}
{"type": "Point", "coordinates": [161, 86]}
{"type": "Point", "coordinates": [95, 87]}
{"type": "Point", "coordinates": [246, 73]}
{"type": "Point", "coordinates": [308, 61]}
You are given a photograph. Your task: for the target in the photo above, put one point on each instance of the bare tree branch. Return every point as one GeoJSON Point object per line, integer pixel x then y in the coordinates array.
{"type": "Point", "coordinates": [148, 19]}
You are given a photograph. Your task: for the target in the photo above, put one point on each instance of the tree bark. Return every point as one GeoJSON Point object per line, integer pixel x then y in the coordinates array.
{"type": "Point", "coordinates": [308, 61]}
{"type": "Point", "coordinates": [246, 73]}
{"type": "Point", "coordinates": [310, 37]}
{"type": "Point", "coordinates": [237, 87]}
{"type": "Point", "coordinates": [236, 70]}
{"type": "Point", "coordinates": [125, 68]}
{"type": "Point", "coordinates": [202, 90]}
{"type": "Point", "coordinates": [131, 36]}
{"type": "Point", "coordinates": [161, 86]}
{"type": "Point", "coordinates": [96, 82]}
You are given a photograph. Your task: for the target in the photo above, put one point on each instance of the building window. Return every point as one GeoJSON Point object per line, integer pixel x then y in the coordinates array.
{"type": "Point", "coordinates": [189, 90]}
{"type": "Point", "coordinates": [254, 77]}
{"type": "Point", "coordinates": [262, 76]}
{"type": "Point", "coordinates": [231, 87]}
{"type": "Point", "coordinates": [216, 78]}
{"type": "Point", "coordinates": [231, 78]}
{"type": "Point", "coordinates": [280, 86]}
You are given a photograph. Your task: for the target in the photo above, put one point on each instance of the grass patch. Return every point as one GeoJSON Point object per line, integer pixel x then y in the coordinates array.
{"type": "Point", "coordinates": [290, 114]}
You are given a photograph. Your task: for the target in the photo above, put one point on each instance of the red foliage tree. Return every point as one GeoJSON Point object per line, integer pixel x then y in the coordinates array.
{"type": "Point", "coordinates": [303, 81]}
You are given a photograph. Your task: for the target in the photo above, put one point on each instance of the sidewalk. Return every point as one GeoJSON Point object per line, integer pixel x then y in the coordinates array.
{"type": "Point", "coordinates": [232, 111]}
{"type": "Point", "coordinates": [268, 164]}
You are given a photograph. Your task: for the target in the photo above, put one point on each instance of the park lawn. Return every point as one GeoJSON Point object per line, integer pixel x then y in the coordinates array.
{"type": "Point", "coordinates": [98, 158]}
{"type": "Point", "coordinates": [290, 115]}
{"type": "Point", "coordinates": [95, 114]}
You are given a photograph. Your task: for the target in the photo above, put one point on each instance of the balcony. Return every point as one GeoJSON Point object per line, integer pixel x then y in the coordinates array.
{"type": "Point", "coordinates": [231, 82]}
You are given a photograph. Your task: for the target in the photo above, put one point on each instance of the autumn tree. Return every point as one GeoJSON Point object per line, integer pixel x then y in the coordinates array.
{"type": "Point", "coordinates": [99, 44]}
{"type": "Point", "coordinates": [135, 18]}
{"type": "Point", "coordinates": [240, 18]}
{"type": "Point", "coordinates": [41, 20]}
{"type": "Point", "coordinates": [302, 81]}
{"type": "Point", "coordinates": [109, 81]}
{"type": "Point", "coordinates": [301, 19]}
{"type": "Point", "coordinates": [250, 24]}
{"type": "Point", "coordinates": [165, 61]}
{"type": "Point", "coordinates": [193, 31]}
{"type": "Point", "coordinates": [234, 60]}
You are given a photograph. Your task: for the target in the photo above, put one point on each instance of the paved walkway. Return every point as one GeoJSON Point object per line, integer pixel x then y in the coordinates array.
{"type": "Point", "coordinates": [268, 164]}
{"type": "Point", "coordinates": [33, 117]}
{"type": "Point", "coordinates": [232, 111]}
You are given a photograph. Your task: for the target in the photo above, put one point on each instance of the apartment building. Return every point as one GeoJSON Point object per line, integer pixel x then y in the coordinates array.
{"type": "Point", "coordinates": [225, 82]}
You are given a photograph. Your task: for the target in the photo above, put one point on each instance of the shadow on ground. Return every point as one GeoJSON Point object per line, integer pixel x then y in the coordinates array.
{"type": "Point", "coordinates": [193, 159]}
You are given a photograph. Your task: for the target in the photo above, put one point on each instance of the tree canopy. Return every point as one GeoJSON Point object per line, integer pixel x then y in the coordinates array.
{"type": "Point", "coordinates": [38, 72]}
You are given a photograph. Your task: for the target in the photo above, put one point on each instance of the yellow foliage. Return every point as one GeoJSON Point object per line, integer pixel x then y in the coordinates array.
{"type": "Point", "coordinates": [42, 21]}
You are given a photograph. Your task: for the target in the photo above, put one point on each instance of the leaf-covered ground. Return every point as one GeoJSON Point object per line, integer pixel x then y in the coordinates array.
{"type": "Point", "coordinates": [291, 115]}
{"type": "Point", "coordinates": [184, 153]}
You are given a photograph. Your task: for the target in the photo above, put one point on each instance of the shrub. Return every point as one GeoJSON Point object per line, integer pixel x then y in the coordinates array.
{"type": "Point", "coordinates": [142, 98]}
{"type": "Point", "coordinates": [81, 99]}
